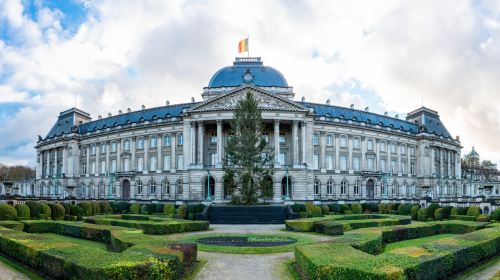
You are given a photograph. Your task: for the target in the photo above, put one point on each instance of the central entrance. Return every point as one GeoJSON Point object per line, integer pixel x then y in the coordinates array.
{"type": "Point", "coordinates": [126, 189]}
{"type": "Point", "coordinates": [209, 184]}
{"type": "Point", "coordinates": [370, 187]}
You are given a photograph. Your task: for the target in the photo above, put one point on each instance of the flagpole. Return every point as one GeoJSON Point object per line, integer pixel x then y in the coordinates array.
{"type": "Point", "coordinates": [248, 46]}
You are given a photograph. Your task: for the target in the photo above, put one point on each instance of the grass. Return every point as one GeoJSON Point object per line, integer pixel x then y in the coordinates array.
{"type": "Point", "coordinates": [19, 268]}
{"type": "Point", "coordinates": [301, 240]}
{"type": "Point", "coordinates": [200, 263]}
{"type": "Point", "coordinates": [289, 270]}
{"type": "Point", "coordinates": [415, 242]}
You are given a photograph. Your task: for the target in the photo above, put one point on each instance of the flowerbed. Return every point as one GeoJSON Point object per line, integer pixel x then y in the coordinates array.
{"type": "Point", "coordinates": [338, 224]}
{"type": "Point", "coordinates": [56, 249]}
{"type": "Point", "coordinates": [155, 225]}
{"type": "Point", "coordinates": [352, 255]}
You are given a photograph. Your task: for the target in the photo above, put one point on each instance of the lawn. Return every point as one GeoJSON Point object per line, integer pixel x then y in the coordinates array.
{"type": "Point", "coordinates": [415, 242]}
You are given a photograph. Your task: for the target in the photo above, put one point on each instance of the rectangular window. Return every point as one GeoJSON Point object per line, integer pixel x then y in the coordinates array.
{"type": "Point", "coordinates": [93, 167]}
{"type": "Point", "coordinates": [343, 163]}
{"type": "Point", "coordinates": [152, 163]}
{"type": "Point", "coordinates": [92, 149]}
{"type": "Point", "coordinates": [126, 145]}
{"type": "Point", "coordinates": [355, 143]}
{"type": "Point", "coordinates": [329, 140]}
{"type": "Point", "coordinates": [412, 168]}
{"type": "Point", "coordinates": [213, 159]}
{"type": "Point", "coordinates": [316, 161]}
{"type": "Point", "coordinates": [355, 164]}
{"type": "Point", "coordinates": [213, 138]}
{"type": "Point", "coordinates": [282, 138]}
{"type": "Point", "coordinates": [103, 167]}
{"type": "Point", "coordinates": [315, 139]}
{"type": "Point", "coordinates": [265, 135]}
{"type": "Point", "coordinates": [370, 145]}
{"type": "Point", "coordinates": [113, 147]}
{"type": "Point", "coordinates": [113, 165]}
{"type": "Point", "coordinates": [180, 162]}
{"type": "Point", "coordinates": [140, 164]}
{"type": "Point", "coordinates": [393, 148]}
{"type": "Point", "coordinates": [343, 142]}
{"type": "Point", "coordinates": [281, 159]}
{"type": "Point", "coordinates": [152, 142]}
{"type": "Point", "coordinates": [329, 162]}
{"type": "Point", "coordinates": [180, 139]}
{"type": "Point", "coordinates": [403, 150]}
{"type": "Point", "coordinates": [166, 162]}
{"type": "Point", "coordinates": [126, 165]}
{"type": "Point", "coordinates": [412, 151]}
{"type": "Point", "coordinates": [166, 140]}
{"type": "Point", "coordinates": [382, 165]}
{"type": "Point", "coordinates": [403, 167]}
{"type": "Point", "coordinates": [382, 147]}
{"type": "Point", "coordinates": [140, 143]}
{"type": "Point", "coordinates": [103, 148]}
{"type": "Point", "coordinates": [394, 169]}
{"type": "Point", "coordinates": [370, 164]}
{"type": "Point", "coordinates": [84, 168]}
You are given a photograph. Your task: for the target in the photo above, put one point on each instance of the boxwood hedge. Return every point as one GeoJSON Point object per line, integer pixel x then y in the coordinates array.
{"type": "Point", "coordinates": [7, 212]}
{"type": "Point", "coordinates": [352, 255]}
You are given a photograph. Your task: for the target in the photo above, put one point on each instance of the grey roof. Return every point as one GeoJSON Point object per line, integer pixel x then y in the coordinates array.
{"type": "Point", "coordinates": [64, 124]}
{"type": "Point", "coordinates": [263, 76]}
{"type": "Point", "coordinates": [330, 111]}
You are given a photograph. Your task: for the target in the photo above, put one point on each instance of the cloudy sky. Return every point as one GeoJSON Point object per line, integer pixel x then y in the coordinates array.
{"type": "Point", "coordinates": [387, 55]}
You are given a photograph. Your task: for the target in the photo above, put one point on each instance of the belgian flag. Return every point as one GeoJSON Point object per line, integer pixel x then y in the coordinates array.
{"type": "Point", "coordinates": [243, 46]}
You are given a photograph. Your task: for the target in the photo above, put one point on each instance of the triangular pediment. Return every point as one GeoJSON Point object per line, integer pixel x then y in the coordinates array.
{"type": "Point", "coordinates": [267, 101]}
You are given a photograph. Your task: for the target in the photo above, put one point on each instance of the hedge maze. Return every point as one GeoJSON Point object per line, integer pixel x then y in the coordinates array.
{"type": "Point", "coordinates": [358, 253]}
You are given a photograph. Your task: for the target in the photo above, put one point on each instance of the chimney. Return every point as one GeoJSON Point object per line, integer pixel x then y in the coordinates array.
{"type": "Point", "coordinates": [143, 107]}
{"type": "Point", "coordinates": [128, 110]}
{"type": "Point", "coordinates": [352, 106]}
{"type": "Point", "coordinates": [303, 99]}
{"type": "Point", "coordinates": [328, 102]}
{"type": "Point", "coordinates": [168, 103]}
{"type": "Point", "coordinates": [386, 114]}
{"type": "Point", "coordinates": [120, 112]}
{"type": "Point", "coordinates": [109, 115]}
{"type": "Point", "coordinates": [367, 109]}
{"type": "Point", "coordinates": [192, 100]}
{"type": "Point", "coordinates": [99, 117]}
{"type": "Point", "coordinates": [397, 116]}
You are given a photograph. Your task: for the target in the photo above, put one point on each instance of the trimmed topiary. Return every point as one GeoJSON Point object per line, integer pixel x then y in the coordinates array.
{"type": "Point", "coordinates": [447, 212]}
{"type": "Point", "coordinates": [135, 208]}
{"type": "Point", "coordinates": [86, 209]}
{"type": "Point", "coordinates": [382, 208]}
{"type": "Point", "coordinates": [46, 211]}
{"type": "Point", "coordinates": [325, 209]}
{"type": "Point", "coordinates": [105, 207]}
{"type": "Point", "coordinates": [454, 211]}
{"type": "Point", "coordinates": [159, 208]}
{"type": "Point", "coordinates": [431, 209]}
{"type": "Point", "coordinates": [182, 211]}
{"type": "Point", "coordinates": [35, 208]}
{"type": "Point", "coordinates": [343, 208]}
{"type": "Point", "coordinates": [404, 209]}
{"type": "Point", "coordinates": [483, 218]}
{"type": "Point", "coordinates": [169, 210]}
{"type": "Point", "coordinates": [414, 211]}
{"type": "Point", "coordinates": [144, 209]}
{"type": "Point", "coordinates": [474, 211]}
{"type": "Point", "coordinates": [59, 212]}
{"type": "Point", "coordinates": [23, 212]}
{"type": "Point", "coordinates": [334, 207]}
{"type": "Point", "coordinates": [296, 207]}
{"type": "Point", "coordinates": [356, 208]}
{"type": "Point", "coordinates": [96, 209]}
{"type": "Point", "coordinates": [422, 214]}
{"type": "Point", "coordinates": [122, 207]}
{"type": "Point", "coordinates": [7, 212]}
{"type": "Point", "coordinates": [496, 215]}
{"type": "Point", "coordinates": [438, 214]}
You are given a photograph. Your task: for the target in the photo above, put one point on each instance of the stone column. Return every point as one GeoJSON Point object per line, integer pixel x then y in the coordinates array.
{"type": "Point", "coordinates": [219, 143]}
{"type": "Point", "coordinates": [56, 162]}
{"type": "Point", "coordinates": [433, 159]}
{"type": "Point", "coordinates": [398, 151]}
{"type": "Point", "coordinates": [276, 143]}
{"type": "Point", "coordinates": [449, 164]}
{"type": "Point", "coordinates": [64, 161]}
{"type": "Point", "coordinates": [108, 148]}
{"type": "Point", "coordinates": [295, 134]}
{"type": "Point", "coordinates": [377, 152]}
{"type": "Point", "coordinates": [322, 142]}
{"type": "Point", "coordinates": [304, 149]}
{"type": "Point", "coordinates": [201, 132]}
{"type": "Point", "coordinates": [363, 161]}
{"type": "Point", "coordinates": [159, 143]}
{"type": "Point", "coordinates": [132, 163]}
{"type": "Point", "coordinates": [441, 169]}
{"type": "Point", "coordinates": [97, 158]}
{"type": "Point", "coordinates": [193, 143]}
{"type": "Point", "coordinates": [409, 160]}
{"type": "Point", "coordinates": [349, 161]}
{"type": "Point", "coordinates": [173, 159]}
{"type": "Point", "coordinates": [119, 145]}
{"type": "Point", "coordinates": [88, 160]}
{"type": "Point", "coordinates": [337, 153]}
{"type": "Point", "coordinates": [146, 156]}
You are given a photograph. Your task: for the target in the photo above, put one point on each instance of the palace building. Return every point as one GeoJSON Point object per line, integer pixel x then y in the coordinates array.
{"type": "Point", "coordinates": [175, 152]}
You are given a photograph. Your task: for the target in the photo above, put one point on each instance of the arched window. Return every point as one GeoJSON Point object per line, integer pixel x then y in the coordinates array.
{"type": "Point", "coordinates": [267, 188]}
{"type": "Point", "coordinates": [317, 187]}
{"type": "Point", "coordinates": [286, 186]}
{"type": "Point", "coordinates": [404, 189]}
{"type": "Point", "coordinates": [138, 184]}
{"type": "Point", "coordinates": [448, 189]}
{"type": "Point", "coordinates": [101, 189]}
{"type": "Point", "coordinates": [57, 189]}
{"type": "Point", "coordinates": [343, 187]}
{"type": "Point", "coordinates": [42, 188]}
{"type": "Point", "coordinates": [152, 188]}
{"type": "Point", "coordinates": [165, 188]}
{"type": "Point", "coordinates": [357, 187]}
{"type": "Point", "coordinates": [395, 187]}
{"type": "Point", "coordinates": [329, 186]}
{"type": "Point", "coordinates": [414, 189]}
{"type": "Point", "coordinates": [81, 190]}
{"type": "Point", "coordinates": [49, 186]}
{"type": "Point", "coordinates": [178, 186]}
{"type": "Point", "coordinates": [383, 188]}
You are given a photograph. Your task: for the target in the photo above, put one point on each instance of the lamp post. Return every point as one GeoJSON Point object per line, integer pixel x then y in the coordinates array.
{"type": "Point", "coordinates": [111, 177]}
{"type": "Point", "coordinates": [209, 196]}
{"type": "Point", "coordinates": [287, 197]}
{"type": "Point", "coordinates": [54, 184]}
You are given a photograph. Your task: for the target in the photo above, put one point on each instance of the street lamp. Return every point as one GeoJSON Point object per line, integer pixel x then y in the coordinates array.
{"type": "Point", "coordinates": [287, 197]}
{"type": "Point", "coordinates": [209, 196]}
{"type": "Point", "coordinates": [111, 177]}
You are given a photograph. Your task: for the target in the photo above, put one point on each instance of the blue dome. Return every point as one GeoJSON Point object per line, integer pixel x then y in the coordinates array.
{"type": "Point", "coordinates": [247, 71]}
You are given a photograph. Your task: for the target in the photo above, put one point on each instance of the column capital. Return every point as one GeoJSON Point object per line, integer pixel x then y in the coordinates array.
{"type": "Point", "coordinates": [218, 121]}
{"type": "Point", "coordinates": [322, 132]}
{"type": "Point", "coordinates": [295, 122]}
{"type": "Point", "coordinates": [192, 123]}
{"type": "Point", "coordinates": [277, 122]}
{"type": "Point", "coordinates": [200, 123]}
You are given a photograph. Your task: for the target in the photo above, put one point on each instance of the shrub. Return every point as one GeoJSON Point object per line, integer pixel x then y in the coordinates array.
{"type": "Point", "coordinates": [150, 208]}
{"type": "Point", "coordinates": [463, 210]}
{"type": "Point", "coordinates": [12, 225]}
{"type": "Point", "coordinates": [87, 209]}
{"type": "Point", "coordinates": [159, 208]}
{"type": "Point", "coordinates": [382, 208]}
{"type": "Point", "coordinates": [58, 212]}
{"type": "Point", "coordinates": [122, 207]}
{"type": "Point", "coordinates": [404, 209]}
{"type": "Point", "coordinates": [135, 208]}
{"type": "Point", "coordinates": [438, 214]}
{"type": "Point", "coordinates": [75, 210]}
{"type": "Point", "coordinates": [343, 208]}
{"type": "Point", "coordinates": [46, 210]}
{"type": "Point", "coordinates": [356, 208]}
{"type": "Point", "coordinates": [35, 208]}
{"type": "Point", "coordinates": [447, 211]}
{"type": "Point", "coordinates": [496, 214]}
{"type": "Point", "coordinates": [144, 209]}
{"type": "Point", "coordinates": [95, 208]}
{"type": "Point", "coordinates": [169, 210]}
{"type": "Point", "coordinates": [296, 207]}
{"type": "Point", "coordinates": [483, 218]}
{"type": "Point", "coordinates": [23, 212]}
{"type": "Point", "coordinates": [66, 207]}
{"type": "Point", "coordinates": [422, 215]}
{"type": "Point", "coordinates": [431, 209]}
{"type": "Point", "coordinates": [7, 212]}
{"type": "Point", "coordinates": [474, 211]}
{"type": "Point", "coordinates": [182, 211]}
{"type": "Point", "coordinates": [329, 227]}
{"type": "Point", "coordinates": [454, 211]}
{"type": "Point", "coordinates": [334, 207]}
{"type": "Point", "coordinates": [325, 209]}
{"type": "Point", "coordinates": [462, 217]}
{"type": "Point", "coordinates": [414, 211]}
{"type": "Point", "coordinates": [105, 207]}
{"type": "Point", "coordinates": [304, 215]}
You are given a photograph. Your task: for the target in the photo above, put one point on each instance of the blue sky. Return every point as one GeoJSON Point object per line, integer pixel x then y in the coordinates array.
{"type": "Point", "coordinates": [379, 54]}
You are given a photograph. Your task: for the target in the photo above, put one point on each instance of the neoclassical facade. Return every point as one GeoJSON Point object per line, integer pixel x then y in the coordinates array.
{"type": "Point", "coordinates": [321, 151]}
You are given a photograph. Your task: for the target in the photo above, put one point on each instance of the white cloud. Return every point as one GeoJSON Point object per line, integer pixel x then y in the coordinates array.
{"type": "Point", "coordinates": [395, 49]}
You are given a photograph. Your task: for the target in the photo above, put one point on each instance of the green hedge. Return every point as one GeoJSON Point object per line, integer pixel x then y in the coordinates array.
{"type": "Point", "coordinates": [356, 208]}
{"type": "Point", "coordinates": [351, 255]}
{"type": "Point", "coordinates": [35, 208]}
{"type": "Point", "coordinates": [23, 212]}
{"type": "Point", "coordinates": [12, 225]}
{"type": "Point", "coordinates": [169, 210]}
{"type": "Point", "coordinates": [7, 212]}
{"type": "Point", "coordinates": [474, 211]}
{"type": "Point", "coordinates": [463, 218]}
{"type": "Point", "coordinates": [414, 212]}
{"type": "Point", "coordinates": [150, 257]}
{"type": "Point", "coordinates": [495, 215]}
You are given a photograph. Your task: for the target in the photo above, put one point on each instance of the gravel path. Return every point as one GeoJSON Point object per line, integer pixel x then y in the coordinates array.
{"type": "Point", "coordinates": [8, 273]}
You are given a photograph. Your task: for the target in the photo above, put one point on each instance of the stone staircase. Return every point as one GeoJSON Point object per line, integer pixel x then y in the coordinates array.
{"type": "Point", "coordinates": [259, 214]}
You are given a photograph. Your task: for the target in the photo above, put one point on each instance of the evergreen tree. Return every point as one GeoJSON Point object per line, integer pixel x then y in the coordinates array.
{"type": "Point", "coordinates": [245, 163]}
